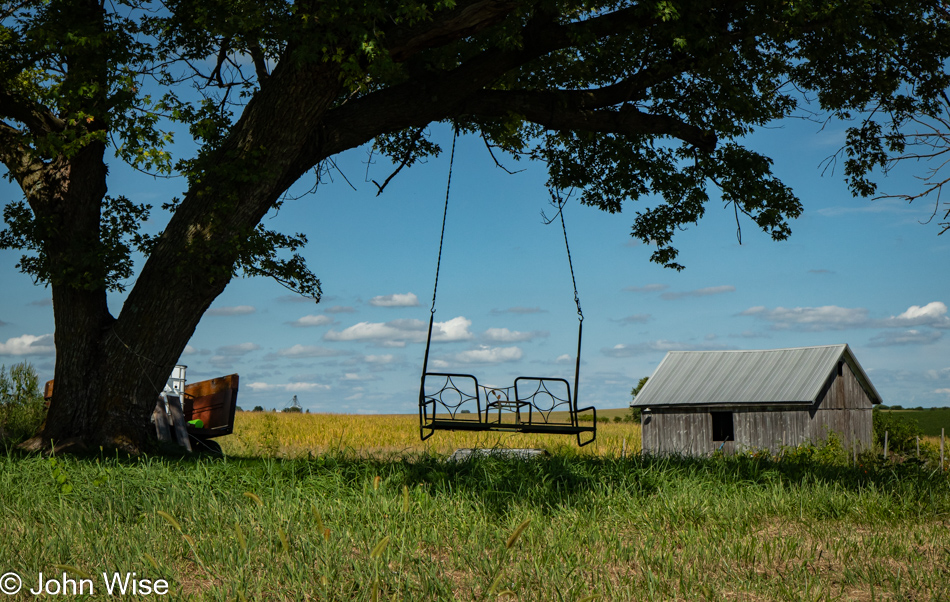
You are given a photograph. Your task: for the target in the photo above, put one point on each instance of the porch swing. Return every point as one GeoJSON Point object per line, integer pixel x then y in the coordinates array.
{"type": "Point", "coordinates": [532, 404]}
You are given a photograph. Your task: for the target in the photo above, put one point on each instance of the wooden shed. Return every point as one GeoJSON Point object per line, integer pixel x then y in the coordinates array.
{"type": "Point", "coordinates": [698, 402]}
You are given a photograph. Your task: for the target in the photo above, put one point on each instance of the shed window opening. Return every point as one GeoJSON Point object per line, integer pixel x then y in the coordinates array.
{"type": "Point", "coordinates": [722, 426]}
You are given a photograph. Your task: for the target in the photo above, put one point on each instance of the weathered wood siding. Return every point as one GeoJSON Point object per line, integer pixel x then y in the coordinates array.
{"type": "Point", "coordinates": [844, 392]}
{"type": "Point", "coordinates": [842, 407]}
{"type": "Point", "coordinates": [687, 432]}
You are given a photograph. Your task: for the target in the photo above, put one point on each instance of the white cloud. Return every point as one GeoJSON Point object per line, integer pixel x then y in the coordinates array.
{"type": "Point", "coordinates": [503, 335]}
{"type": "Point", "coordinates": [635, 319]}
{"type": "Point", "coordinates": [238, 310]}
{"type": "Point", "coordinates": [397, 300]}
{"type": "Point", "coordinates": [396, 330]}
{"type": "Point", "coordinates": [933, 314]}
{"type": "Point", "coordinates": [259, 387]}
{"type": "Point", "coordinates": [298, 351]}
{"type": "Point", "coordinates": [392, 344]}
{"type": "Point", "coordinates": [28, 344]}
{"type": "Point", "coordinates": [357, 377]}
{"type": "Point", "coordinates": [943, 374]}
{"type": "Point", "coordinates": [905, 337]}
{"type": "Point", "coordinates": [189, 350]}
{"type": "Point", "coordinates": [387, 358]}
{"type": "Point", "coordinates": [520, 310]}
{"type": "Point", "coordinates": [340, 309]}
{"type": "Point", "coordinates": [564, 359]}
{"type": "Point", "coordinates": [700, 292]}
{"type": "Point", "coordinates": [399, 332]}
{"type": "Point", "coordinates": [832, 317]}
{"type": "Point", "coordinates": [455, 329]}
{"type": "Point", "coordinates": [647, 288]}
{"type": "Point", "coordinates": [489, 355]}
{"type": "Point", "coordinates": [942, 392]}
{"type": "Point", "coordinates": [828, 317]}
{"type": "Point", "coordinates": [312, 320]}
{"type": "Point", "coordinates": [238, 350]}
{"type": "Point", "coordinates": [221, 362]}
{"type": "Point", "coordinates": [659, 346]}
{"type": "Point", "coordinates": [294, 299]}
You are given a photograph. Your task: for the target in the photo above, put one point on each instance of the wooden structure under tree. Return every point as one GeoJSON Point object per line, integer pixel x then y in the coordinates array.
{"type": "Point", "coordinates": [212, 402]}
{"type": "Point", "coordinates": [698, 402]}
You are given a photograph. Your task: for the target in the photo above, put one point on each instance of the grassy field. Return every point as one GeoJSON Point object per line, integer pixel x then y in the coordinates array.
{"type": "Point", "coordinates": [930, 421]}
{"type": "Point", "coordinates": [311, 507]}
{"type": "Point", "coordinates": [294, 435]}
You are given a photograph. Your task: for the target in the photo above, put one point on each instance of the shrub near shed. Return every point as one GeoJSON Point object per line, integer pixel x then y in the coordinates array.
{"type": "Point", "coordinates": [21, 403]}
{"type": "Point", "coordinates": [902, 432]}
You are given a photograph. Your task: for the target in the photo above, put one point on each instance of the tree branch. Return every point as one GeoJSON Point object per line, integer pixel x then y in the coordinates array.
{"type": "Point", "coordinates": [14, 153]}
{"type": "Point", "coordinates": [571, 110]}
{"type": "Point", "coordinates": [402, 163]}
{"type": "Point", "coordinates": [39, 119]}
{"type": "Point", "coordinates": [260, 65]}
{"type": "Point", "coordinates": [466, 19]}
{"type": "Point", "coordinates": [432, 97]}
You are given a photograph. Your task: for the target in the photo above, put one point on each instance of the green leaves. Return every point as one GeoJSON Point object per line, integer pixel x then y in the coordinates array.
{"type": "Point", "coordinates": [58, 471]}
{"type": "Point", "coordinates": [105, 263]}
{"type": "Point", "coordinates": [625, 102]}
{"type": "Point", "coordinates": [259, 257]}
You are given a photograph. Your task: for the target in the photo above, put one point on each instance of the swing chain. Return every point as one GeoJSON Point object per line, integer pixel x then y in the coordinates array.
{"type": "Point", "coordinates": [577, 299]}
{"type": "Point", "coordinates": [445, 211]}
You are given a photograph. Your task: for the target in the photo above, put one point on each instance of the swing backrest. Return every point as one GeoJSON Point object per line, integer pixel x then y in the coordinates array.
{"type": "Point", "coordinates": [455, 395]}
{"type": "Point", "coordinates": [546, 395]}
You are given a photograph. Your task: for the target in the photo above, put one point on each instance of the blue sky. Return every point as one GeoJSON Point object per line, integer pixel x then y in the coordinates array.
{"type": "Point", "coordinates": [854, 271]}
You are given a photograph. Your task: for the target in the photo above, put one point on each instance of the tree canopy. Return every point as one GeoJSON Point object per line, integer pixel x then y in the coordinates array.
{"type": "Point", "coordinates": [621, 99]}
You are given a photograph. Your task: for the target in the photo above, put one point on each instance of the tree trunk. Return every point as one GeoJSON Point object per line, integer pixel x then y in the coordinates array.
{"type": "Point", "coordinates": [109, 371]}
{"type": "Point", "coordinates": [108, 378]}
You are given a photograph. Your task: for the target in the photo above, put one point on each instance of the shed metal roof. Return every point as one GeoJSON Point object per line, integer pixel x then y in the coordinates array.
{"type": "Point", "coordinates": [770, 376]}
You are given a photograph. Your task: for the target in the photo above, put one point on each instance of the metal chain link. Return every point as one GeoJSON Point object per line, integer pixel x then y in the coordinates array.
{"type": "Point", "coordinates": [445, 212]}
{"type": "Point", "coordinates": [577, 299]}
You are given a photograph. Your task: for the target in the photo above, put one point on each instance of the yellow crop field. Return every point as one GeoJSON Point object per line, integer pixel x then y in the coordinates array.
{"type": "Point", "coordinates": [290, 435]}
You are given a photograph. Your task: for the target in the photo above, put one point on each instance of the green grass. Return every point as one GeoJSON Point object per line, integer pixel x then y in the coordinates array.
{"type": "Point", "coordinates": [339, 527]}
{"type": "Point", "coordinates": [930, 421]}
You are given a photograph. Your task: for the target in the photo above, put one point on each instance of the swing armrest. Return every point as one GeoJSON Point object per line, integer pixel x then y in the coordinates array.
{"type": "Point", "coordinates": [592, 409]}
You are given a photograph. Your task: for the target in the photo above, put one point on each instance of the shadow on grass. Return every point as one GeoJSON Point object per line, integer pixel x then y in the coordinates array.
{"type": "Point", "coordinates": [499, 484]}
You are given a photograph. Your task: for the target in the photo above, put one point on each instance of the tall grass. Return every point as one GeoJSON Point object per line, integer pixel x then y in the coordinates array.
{"type": "Point", "coordinates": [299, 435]}
{"type": "Point", "coordinates": [345, 525]}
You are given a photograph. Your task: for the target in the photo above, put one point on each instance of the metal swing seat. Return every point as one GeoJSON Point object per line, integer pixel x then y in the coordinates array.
{"type": "Point", "coordinates": [542, 405]}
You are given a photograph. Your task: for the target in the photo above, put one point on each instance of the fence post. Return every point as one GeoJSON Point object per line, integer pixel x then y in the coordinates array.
{"type": "Point", "coordinates": [918, 447]}
{"type": "Point", "coordinates": [885, 445]}
{"type": "Point", "coordinates": [623, 452]}
{"type": "Point", "coordinates": [941, 448]}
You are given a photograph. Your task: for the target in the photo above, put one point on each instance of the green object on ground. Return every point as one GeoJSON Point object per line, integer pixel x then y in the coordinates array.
{"type": "Point", "coordinates": [197, 423]}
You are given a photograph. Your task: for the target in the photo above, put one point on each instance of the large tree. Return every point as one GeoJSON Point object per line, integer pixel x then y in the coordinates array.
{"type": "Point", "coordinates": [621, 98]}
